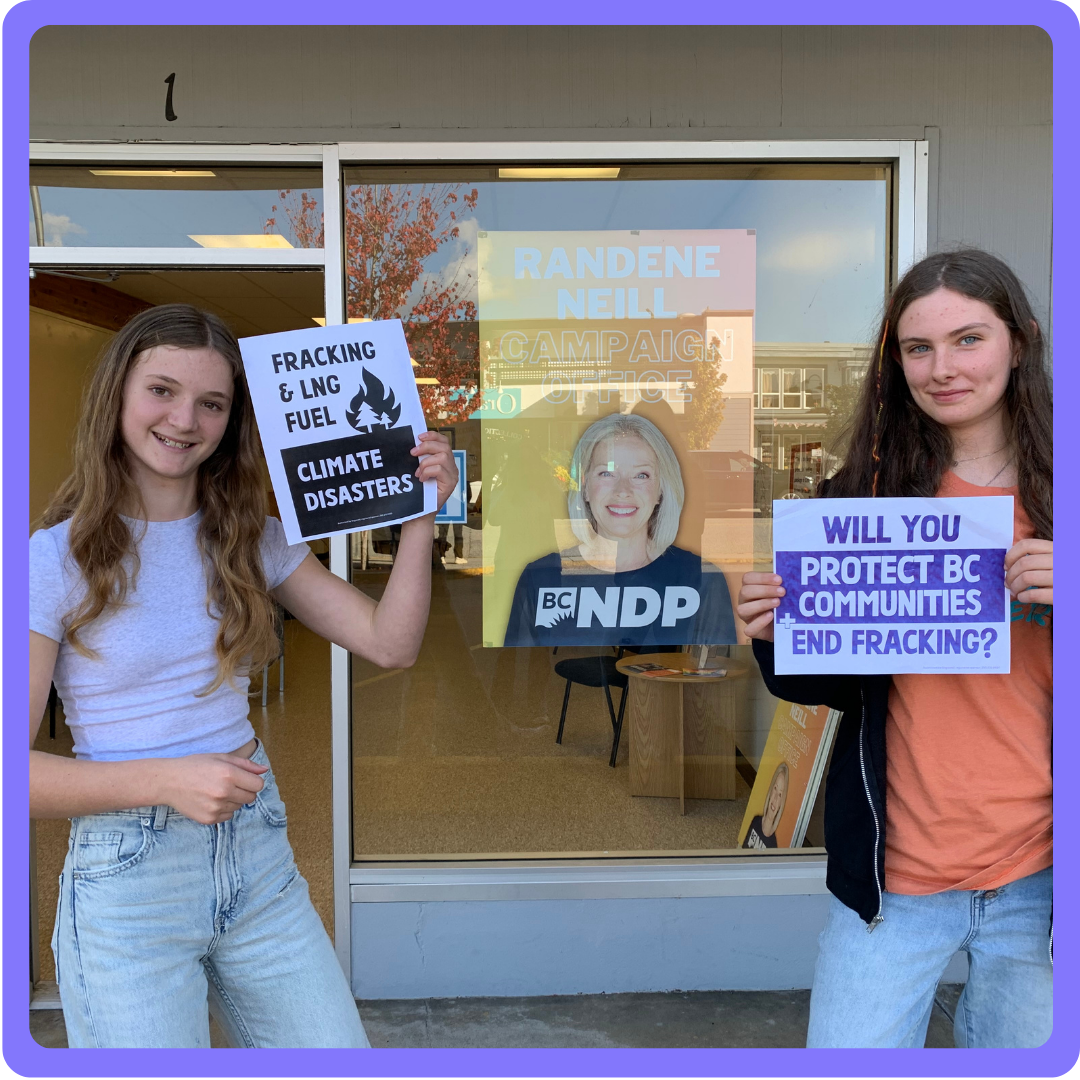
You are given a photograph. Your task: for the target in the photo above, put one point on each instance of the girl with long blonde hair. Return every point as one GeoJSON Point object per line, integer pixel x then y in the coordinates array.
{"type": "Point", "coordinates": [152, 593]}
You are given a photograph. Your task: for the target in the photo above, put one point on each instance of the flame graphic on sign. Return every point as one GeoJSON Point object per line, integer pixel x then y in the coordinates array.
{"type": "Point", "coordinates": [374, 405]}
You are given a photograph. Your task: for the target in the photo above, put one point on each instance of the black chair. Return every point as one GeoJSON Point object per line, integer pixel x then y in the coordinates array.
{"type": "Point", "coordinates": [598, 671]}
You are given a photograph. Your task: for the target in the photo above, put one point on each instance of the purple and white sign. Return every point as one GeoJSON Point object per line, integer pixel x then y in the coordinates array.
{"type": "Point", "coordinates": [883, 586]}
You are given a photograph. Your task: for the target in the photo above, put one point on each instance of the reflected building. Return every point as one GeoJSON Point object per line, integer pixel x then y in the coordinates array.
{"type": "Point", "coordinates": [784, 404]}
{"type": "Point", "coordinates": [803, 394]}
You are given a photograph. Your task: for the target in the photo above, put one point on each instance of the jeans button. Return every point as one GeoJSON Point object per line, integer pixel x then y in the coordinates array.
{"type": "Point", "coordinates": [990, 895]}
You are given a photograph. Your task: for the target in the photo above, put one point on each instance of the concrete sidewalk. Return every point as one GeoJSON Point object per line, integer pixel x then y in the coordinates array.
{"type": "Point", "coordinates": [728, 1018]}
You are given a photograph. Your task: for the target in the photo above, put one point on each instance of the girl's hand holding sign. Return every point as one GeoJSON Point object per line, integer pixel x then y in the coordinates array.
{"type": "Point", "coordinates": [436, 463]}
{"type": "Point", "coordinates": [1029, 571]}
{"type": "Point", "coordinates": [758, 599]}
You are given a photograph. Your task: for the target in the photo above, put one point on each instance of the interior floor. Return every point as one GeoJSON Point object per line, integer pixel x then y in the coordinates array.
{"type": "Point", "coordinates": [457, 756]}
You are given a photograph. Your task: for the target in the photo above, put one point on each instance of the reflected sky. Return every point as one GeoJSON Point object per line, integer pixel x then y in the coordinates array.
{"type": "Point", "coordinates": [820, 243]}
{"type": "Point", "coordinates": [119, 217]}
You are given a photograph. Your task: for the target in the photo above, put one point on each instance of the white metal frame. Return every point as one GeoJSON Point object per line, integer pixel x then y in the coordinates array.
{"type": "Point", "coordinates": [120, 258]}
{"type": "Point", "coordinates": [340, 664]}
{"type": "Point", "coordinates": [64, 153]}
{"type": "Point", "coordinates": [157, 258]}
{"type": "Point", "coordinates": [583, 879]}
{"type": "Point", "coordinates": [631, 878]}
{"type": "Point", "coordinates": [511, 879]}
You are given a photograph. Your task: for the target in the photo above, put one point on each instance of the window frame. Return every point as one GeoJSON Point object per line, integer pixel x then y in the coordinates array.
{"type": "Point", "coordinates": [781, 371]}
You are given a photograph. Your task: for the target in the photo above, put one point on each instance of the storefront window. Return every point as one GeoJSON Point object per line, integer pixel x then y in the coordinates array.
{"type": "Point", "coordinates": [793, 389]}
{"type": "Point", "coordinates": [769, 380]}
{"type": "Point", "coordinates": [182, 207]}
{"type": "Point", "coordinates": [804, 388]}
{"type": "Point", "coordinates": [692, 320]}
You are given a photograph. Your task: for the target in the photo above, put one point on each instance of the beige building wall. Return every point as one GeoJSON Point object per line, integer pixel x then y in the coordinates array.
{"type": "Point", "coordinates": [62, 351]}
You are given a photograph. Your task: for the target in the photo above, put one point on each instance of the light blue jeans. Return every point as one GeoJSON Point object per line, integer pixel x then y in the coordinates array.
{"type": "Point", "coordinates": [877, 989]}
{"type": "Point", "coordinates": [157, 914]}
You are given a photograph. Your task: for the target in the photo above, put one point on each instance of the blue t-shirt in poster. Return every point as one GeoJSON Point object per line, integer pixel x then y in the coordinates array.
{"type": "Point", "coordinates": [677, 599]}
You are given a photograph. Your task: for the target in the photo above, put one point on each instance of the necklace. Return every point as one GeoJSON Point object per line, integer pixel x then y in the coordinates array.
{"type": "Point", "coordinates": [990, 482]}
{"type": "Point", "coordinates": [979, 457]}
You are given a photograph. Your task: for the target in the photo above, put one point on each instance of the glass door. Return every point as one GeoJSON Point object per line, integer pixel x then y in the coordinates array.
{"type": "Point", "coordinates": [246, 243]}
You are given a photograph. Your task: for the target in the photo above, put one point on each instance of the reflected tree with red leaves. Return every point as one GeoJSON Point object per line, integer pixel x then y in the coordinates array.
{"type": "Point", "coordinates": [303, 216]}
{"type": "Point", "coordinates": [391, 231]}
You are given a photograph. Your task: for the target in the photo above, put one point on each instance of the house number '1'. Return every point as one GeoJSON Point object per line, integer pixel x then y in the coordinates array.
{"type": "Point", "coordinates": [169, 114]}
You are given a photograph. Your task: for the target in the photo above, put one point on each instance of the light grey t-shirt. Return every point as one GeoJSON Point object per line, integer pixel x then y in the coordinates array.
{"type": "Point", "coordinates": [138, 698]}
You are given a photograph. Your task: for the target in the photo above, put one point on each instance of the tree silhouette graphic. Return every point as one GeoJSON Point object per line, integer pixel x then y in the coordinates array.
{"type": "Point", "coordinates": [373, 406]}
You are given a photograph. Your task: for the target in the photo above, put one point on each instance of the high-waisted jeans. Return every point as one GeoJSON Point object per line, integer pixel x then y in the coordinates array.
{"type": "Point", "coordinates": [877, 989]}
{"type": "Point", "coordinates": [157, 914]}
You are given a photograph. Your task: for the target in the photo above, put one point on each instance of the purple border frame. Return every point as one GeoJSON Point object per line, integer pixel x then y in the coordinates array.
{"type": "Point", "coordinates": [25, 1056]}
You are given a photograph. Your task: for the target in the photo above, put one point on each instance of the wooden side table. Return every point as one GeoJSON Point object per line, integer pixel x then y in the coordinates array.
{"type": "Point", "coordinates": [682, 729]}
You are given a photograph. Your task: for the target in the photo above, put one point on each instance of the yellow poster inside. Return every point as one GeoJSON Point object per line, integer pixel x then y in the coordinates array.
{"type": "Point", "coordinates": [617, 434]}
{"type": "Point", "coordinates": [788, 776]}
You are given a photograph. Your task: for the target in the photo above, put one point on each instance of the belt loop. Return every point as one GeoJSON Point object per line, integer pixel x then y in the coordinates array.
{"type": "Point", "coordinates": [160, 813]}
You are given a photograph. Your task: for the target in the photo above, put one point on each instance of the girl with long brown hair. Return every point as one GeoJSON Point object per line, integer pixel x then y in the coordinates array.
{"type": "Point", "coordinates": [152, 593]}
{"type": "Point", "coordinates": [939, 800]}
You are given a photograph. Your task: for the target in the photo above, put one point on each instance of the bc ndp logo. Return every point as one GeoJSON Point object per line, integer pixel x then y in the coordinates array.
{"type": "Point", "coordinates": [634, 605]}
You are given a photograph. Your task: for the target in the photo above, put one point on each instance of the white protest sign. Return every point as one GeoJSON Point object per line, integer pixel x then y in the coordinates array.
{"type": "Point", "coordinates": [884, 586]}
{"type": "Point", "coordinates": [338, 413]}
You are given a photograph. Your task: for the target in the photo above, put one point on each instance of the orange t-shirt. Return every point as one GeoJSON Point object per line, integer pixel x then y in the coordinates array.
{"type": "Point", "coordinates": [970, 784]}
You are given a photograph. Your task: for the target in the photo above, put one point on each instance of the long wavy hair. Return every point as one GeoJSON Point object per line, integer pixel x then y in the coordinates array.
{"type": "Point", "coordinates": [895, 449]}
{"type": "Point", "coordinates": [663, 524]}
{"type": "Point", "coordinates": [230, 489]}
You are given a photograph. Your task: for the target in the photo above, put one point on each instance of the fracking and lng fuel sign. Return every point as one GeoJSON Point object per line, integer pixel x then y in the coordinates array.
{"type": "Point", "coordinates": [338, 414]}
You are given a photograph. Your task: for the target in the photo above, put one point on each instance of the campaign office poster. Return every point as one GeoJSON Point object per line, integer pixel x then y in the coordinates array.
{"type": "Point", "coordinates": [338, 413]}
{"type": "Point", "coordinates": [616, 367]}
{"type": "Point", "coordinates": [893, 585]}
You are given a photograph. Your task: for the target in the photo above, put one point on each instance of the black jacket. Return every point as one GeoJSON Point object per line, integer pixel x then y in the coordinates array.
{"type": "Point", "coordinates": [855, 788]}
